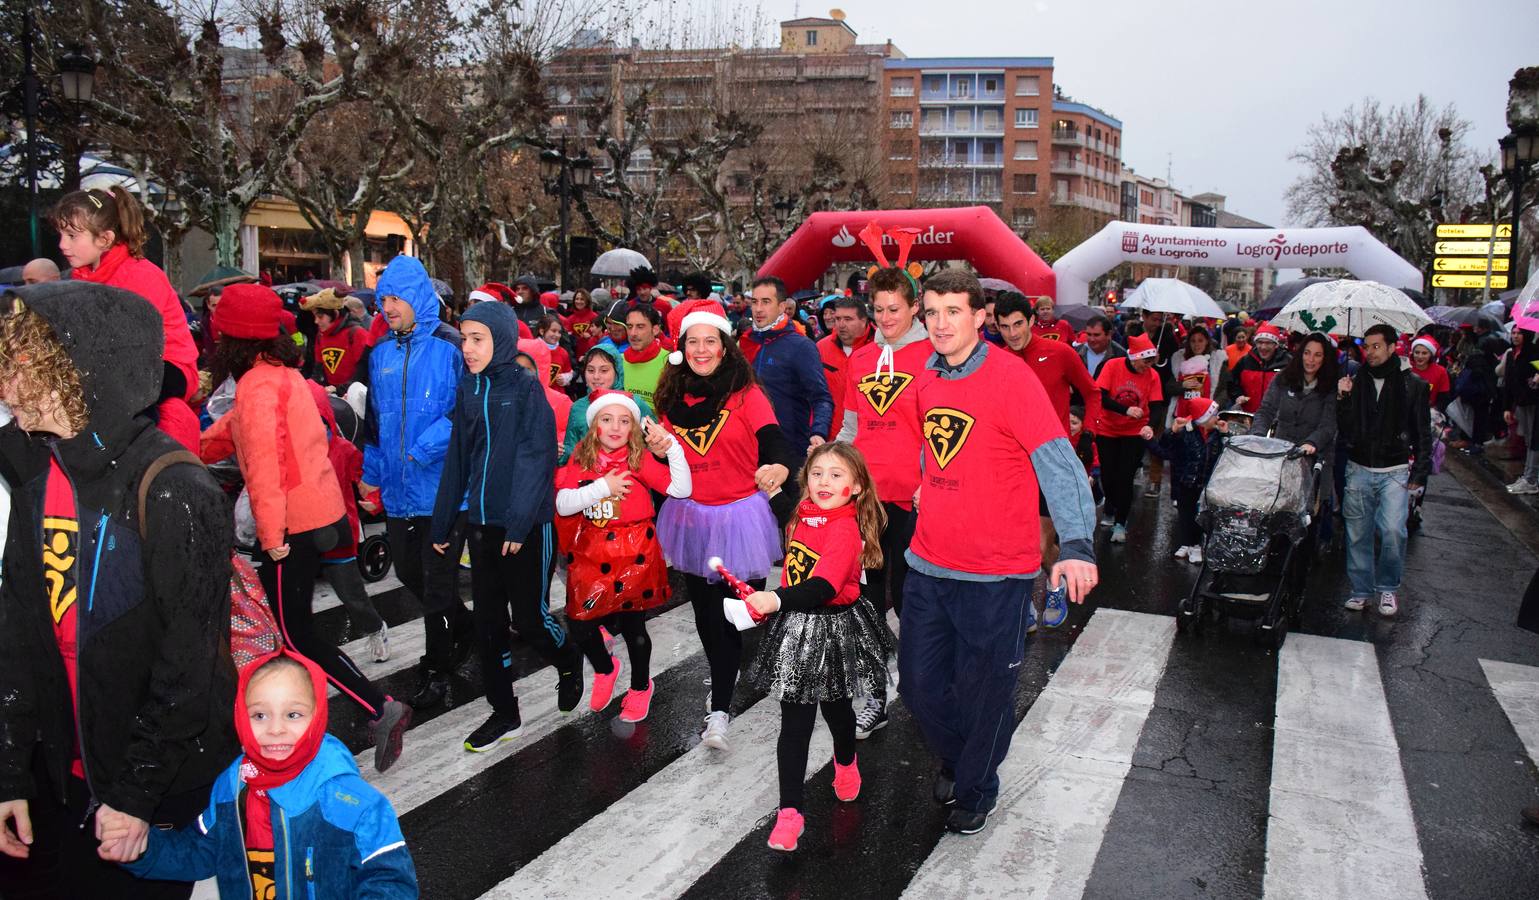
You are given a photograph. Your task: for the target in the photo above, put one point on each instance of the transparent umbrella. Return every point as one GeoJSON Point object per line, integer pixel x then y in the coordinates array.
{"type": "Point", "coordinates": [618, 263]}
{"type": "Point", "coordinates": [1172, 295]}
{"type": "Point", "coordinates": [1350, 308]}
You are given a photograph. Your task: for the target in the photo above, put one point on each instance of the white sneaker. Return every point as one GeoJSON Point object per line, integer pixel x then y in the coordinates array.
{"type": "Point", "coordinates": [1182, 551]}
{"type": "Point", "coordinates": [1194, 555]}
{"type": "Point", "coordinates": [379, 645]}
{"type": "Point", "coordinates": [715, 733]}
{"type": "Point", "coordinates": [1356, 604]}
{"type": "Point", "coordinates": [1389, 604]}
{"type": "Point", "coordinates": [1523, 486]}
{"type": "Point", "coordinates": [1107, 521]}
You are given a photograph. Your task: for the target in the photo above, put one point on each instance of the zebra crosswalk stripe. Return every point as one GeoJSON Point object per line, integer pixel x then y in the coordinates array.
{"type": "Point", "coordinates": [1066, 767]}
{"type": "Point", "coordinates": [1340, 815]}
{"type": "Point", "coordinates": [1517, 690]}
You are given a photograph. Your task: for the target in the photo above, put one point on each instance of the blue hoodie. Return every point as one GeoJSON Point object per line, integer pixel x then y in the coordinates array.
{"type": "Point", "coordinates": [501, 459]}
{"type": "Point", "coordinates": [791, 373]}
{"type": "Point", "coordinates": [412, 380]}
{"type": "Point", "coordinates": [332, 831]}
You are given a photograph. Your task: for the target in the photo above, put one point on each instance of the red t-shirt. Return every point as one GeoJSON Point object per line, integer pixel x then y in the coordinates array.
{"type": "Point", "coordinates": [1058, 331]}
{"type": "Point", "coordinates": [1062, 372]}
{"type": "Point", "coordinates": [586, 329]}
{"type": "Point", "coordinates": [1436, 378]}
{"type": "Point", "coordinates": [826, 548]}
{"type": "Point", "coordinates": [887, 417]}
{"type": "Point", "coordinates": [1117, 378]}
{"type": "Point", "coordinates": [634, 507]}
{"type": "Point", "coordinates": [723, 454]}
{"type": "Point", "coordinates": [61, 548]}
{"type": "Point", "coordinates": [560, 362]}
{"type": "Point", "coordinates": [978, 503]}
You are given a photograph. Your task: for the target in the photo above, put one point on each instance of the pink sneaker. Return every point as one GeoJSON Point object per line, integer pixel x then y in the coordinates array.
{"type": "Point", "coordinates": [635, 705]}
{"type": "Point", "coordinates": [604, 686]}
{"type": "Point", "coordinates": [847, 780]}
{"type": "Point", "coordinates": [788, 827]}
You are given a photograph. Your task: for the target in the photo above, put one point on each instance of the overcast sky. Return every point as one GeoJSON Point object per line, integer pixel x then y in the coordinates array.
{"type": "Point", "coordinates": [1223, 91]}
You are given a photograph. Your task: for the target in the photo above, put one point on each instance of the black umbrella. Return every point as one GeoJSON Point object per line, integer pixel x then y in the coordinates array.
{"type": "Point", "coordinates": [1077, 314]}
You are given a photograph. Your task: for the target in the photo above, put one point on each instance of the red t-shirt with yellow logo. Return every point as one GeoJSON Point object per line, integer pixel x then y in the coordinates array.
{"type": "Point", "coordinates": [887, 417]}
{"type": "Point", "coordinates": [826, 545]}
{"type": "Point", "coordinates": [723, 454]}
{"type": "Point", "coordinates": [61, 547]}
{"type": "Point", "coordinates": [978, 495]}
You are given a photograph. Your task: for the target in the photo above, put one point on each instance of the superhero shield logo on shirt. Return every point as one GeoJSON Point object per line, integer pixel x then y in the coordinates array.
{"type": "Point", "coordinates": [946, 430]}
{"type": "Point", "coordinates": [883, 390]}
{"type": "Point", "coordinates": [700, 439]}
{"type": "Point", "coordinates": [555, 369]}
{"type": "Point", "coordinates": [60, 538]}
{"type": "Point", "coordinates": [799, 562]}
{"type": "Point", "coordinates": [331, 357]}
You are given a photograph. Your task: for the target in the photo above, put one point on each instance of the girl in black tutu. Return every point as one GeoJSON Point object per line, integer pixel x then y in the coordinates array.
{"type": "Point", "coordinates": [826, 644]}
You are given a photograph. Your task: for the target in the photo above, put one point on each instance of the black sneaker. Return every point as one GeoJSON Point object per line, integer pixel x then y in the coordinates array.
{"type": "Point", "coordinates": [945, 792]}
{"type": "Point", "coordinates": [494, 731]}
{"type": "Point", "coordinates": [871, 718]}
{"type": "Point", "coordinates": [389, 733]}
{"type": "Point", "coordinates": [431, 691]}
{"type": "Point", "coordinates": [962, 821]}
{"type": "Point", "coordinates": [569, 690]}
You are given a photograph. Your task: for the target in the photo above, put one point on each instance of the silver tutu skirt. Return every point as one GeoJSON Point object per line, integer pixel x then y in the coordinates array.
{"type": "Point", "coordinates": [831, 653]}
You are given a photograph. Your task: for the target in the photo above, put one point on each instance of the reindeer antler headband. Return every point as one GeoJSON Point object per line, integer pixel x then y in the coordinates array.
{"type": "Point", "coordinates": [872, 236]}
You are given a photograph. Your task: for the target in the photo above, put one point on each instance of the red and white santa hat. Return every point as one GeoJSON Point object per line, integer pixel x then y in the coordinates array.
{"type": "Point", "coordinates": [1268, 332]}
{"type": "Point", "coordinates": [1139, 347]}
{"type": "Point", "coordinates": [491, 292]}
{"type": "Point", "coordinates": [550, 300]}
{"type": "Point", "coordinates": [1427, 341]}
{"type": "Point", "coordinates": [691, 313]}
{"type": "Point", "coordinates": [603, 399]}
{"type": "Point", "coordinates": [1200, 410]}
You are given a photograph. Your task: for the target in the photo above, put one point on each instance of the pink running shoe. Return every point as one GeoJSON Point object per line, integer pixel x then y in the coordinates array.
{"type": "Point", "coordinates": [847, 780]}
{"type": "Point", "coordinates": [604, 686]}
{"type": "Point", "coordinates": [635, 705]}
{"type": "Point", "coordinates": [788, 827]}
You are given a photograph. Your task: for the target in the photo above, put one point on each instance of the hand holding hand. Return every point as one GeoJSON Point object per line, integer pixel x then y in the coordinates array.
{"type": "Point", "coordinates": [440, 548]}
{"type": "Point", "coordinates": [509, 548]}
{"type": "Point", "coordinates": [1181, 423]}
{"type": "Point", "coordinates": [124, 837]}
{"type": "Point", "coordinates": [815, 441]}
{"type": "Point", "coordinates": [769, 478]}
{"type": "Point", "coordinates": [659, 441]}
{"type": "Point", "coordinates": [15, 829]}
{"type": "Point", "coordinates": [279, 552]}
{"type": "Point", "coordinates": [1146, 433]}
{"type": "Point", "coordinates": [1135, 412]}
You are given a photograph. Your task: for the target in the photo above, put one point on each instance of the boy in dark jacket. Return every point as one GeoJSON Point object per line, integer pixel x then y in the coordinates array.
{"type": "Point", "coordinates": [114, 654]}
{"type": "Point", "coordinates": [295, 790]}
{"type": "Point", "coordinates": [503, 459]}
{"type": "Point", "coordinates": [1191, 449]}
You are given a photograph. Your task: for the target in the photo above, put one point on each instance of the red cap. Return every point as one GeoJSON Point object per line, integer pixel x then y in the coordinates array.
{"type": "Point", "coordinates": [550, 299]}
{"type": "Point", "coordinates": [249, 311]}
{"type": "Point", "coordinates": [1269, 331]}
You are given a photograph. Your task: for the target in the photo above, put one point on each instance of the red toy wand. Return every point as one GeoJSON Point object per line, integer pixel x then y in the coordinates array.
{"type": "Point", "coordinates": [739, 587]}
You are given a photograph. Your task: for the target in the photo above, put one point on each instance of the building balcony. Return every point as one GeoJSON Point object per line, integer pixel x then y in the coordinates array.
{"type": "Point", "coordinates": [1084, 201]}
{"type": "Point", "coordinates": [961, 162]}
{"type": "Point", "coordinates": [1061, 167]}
{"type": "Point", "coordinates": [959, 195]}
{"type": "Point", "coordinates": [953, 131]}
{"type": "Point", "coordinates": [1069, 136]}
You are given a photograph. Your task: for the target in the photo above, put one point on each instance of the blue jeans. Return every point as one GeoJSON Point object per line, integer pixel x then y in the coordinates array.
{"type": "Point", "coordinates": [1375, 506]}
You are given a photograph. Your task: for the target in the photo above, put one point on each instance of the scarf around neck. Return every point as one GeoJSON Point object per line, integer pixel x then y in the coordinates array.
{"type": "Point", "coordinates": [810, 514]}
{"type": "Point", "coordinates": [632, 355]}
{"type": "Point", "coordinates": [261, 774]}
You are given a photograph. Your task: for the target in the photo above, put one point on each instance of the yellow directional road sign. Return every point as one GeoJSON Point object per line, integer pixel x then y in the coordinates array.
{"type": "Point", "coordinates": [1469, 264]}
{"type": "Point", "coordinates": [1470, 248]}
{"type": "Point", "coordinates": [1498, 282]}
{"type": "Point", "coordinates": [1473, 231]}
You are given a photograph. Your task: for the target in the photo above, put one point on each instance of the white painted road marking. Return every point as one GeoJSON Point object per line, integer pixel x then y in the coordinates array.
{"type": "Point", "coordinates": [1341, 822]}
{"type": "Point", "coordinates": [1517, 690]}
{"type": "Point", "coordinates": [1066, 766]}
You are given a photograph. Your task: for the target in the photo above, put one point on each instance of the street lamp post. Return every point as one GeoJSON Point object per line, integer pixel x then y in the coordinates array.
{"type": "Point", "coordinates": [1520, 150]}
{"type": "Point", "coordinates": [29, 115]}
{"type": "Point", "coordinates": [565, 176]}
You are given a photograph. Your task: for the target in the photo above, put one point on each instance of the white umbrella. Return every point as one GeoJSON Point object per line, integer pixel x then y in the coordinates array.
{"type": "Point", "coordinates": [618, 263]}
{"type": "Point", "coordinates": [1172, 295]}
{"type": "Point", "coordinates": [1350, 308]}
{"type": "Point", "coordinates": [1525, 310]}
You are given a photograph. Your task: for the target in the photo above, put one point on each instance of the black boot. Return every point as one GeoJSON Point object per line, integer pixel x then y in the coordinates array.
{"type": "Point", "coordinates": [431, 690]}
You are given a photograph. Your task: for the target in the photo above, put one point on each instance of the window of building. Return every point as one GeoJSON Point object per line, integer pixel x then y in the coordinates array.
{"type": "Point", "coordinates": [1025, 118]}
{"type": "Point", "coordinates": [903, 87]}
{"type": "Point", "coordinates": [934, 84]}
{"type": "Point", "coordinates": [988, 153]}
{"type": "Point", "coordinates": [1024, 217]}
{"type": "Point", "coordinates": [962, 120]}
{"type": "Point", "coordinates": [1028, 86]}
{"type": "Point", "coordinates": [902, 118]}
{"type": "Point", "coordinates": [1025, 149]}
{"type": "Point", "coordinates": [812, 38]}
{"type": "Point", "coordinates": [900, 149]}
{"type": "Point", "coordinates": [988, 185]}
{"type": "Point", "coordinates": [901, 183]}
{"type": "Point", "coordinates": [959, 151]}
{"type": "Point", "coordinates": [990, 85]}
{"type": "Point", "coordinates": [990, 119]}
{"type": "Point", "coordinates": [1024, 184]}
{"type": "Point", "coordinates": [933, 120]}
{"type": "Point", "coordinates": [962, 88]}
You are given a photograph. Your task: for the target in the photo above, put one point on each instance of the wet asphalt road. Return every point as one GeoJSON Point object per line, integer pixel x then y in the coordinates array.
{"type": "Point", "coordinates": [1191, 818]}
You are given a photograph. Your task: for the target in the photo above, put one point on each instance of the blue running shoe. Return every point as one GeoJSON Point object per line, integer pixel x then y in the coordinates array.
{"type": "Point", "coordinates": [1031, 617]}
{"type": "Point", "coordinates": [1055, 607]}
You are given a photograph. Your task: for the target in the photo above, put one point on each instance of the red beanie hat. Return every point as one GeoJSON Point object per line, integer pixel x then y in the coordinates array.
{"type": "Point", "coordinates": [695, 312]}
{"type": "Point", "coordinates": [1139, 346]}
{"type": "Point", "coordinates": [249, 311]}
{"type": "Point", "coordinates": [550, 300]}
{"type": "Point", "coordinates": [523, 330]}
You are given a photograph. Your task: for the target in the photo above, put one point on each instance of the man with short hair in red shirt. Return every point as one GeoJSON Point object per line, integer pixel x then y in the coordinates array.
{"type": "Point", "coordinates": [990, 444]}
{"type": "Point", "coordinates": [851, 331]}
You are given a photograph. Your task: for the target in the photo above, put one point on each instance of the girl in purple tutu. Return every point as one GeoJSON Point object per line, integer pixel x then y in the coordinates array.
{"type": "Point", "coordinates": [738, 458]}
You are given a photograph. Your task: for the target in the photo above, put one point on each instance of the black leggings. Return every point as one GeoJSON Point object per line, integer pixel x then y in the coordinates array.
{"type": "Point", "coordinates": [796, 723]}
{"type": "Point", "coordinates": [515, 588]}
{"type": "Point", "coordinates": [1187, 497]}
{"type": "Point", "coordinates": [290, 586]}
{"type": "Point", "coordinates": [896, 537]}
{"type": "Point", "coordinates": [1120, 458]}
{"type": "Point", "coordinates": [432, 578]}
{"type": "Point", "coordinates": [722, 642]}
{"type": "Point", "coordinates": [630, 625]}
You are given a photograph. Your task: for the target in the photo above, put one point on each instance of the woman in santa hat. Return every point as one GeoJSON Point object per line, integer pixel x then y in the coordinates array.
{"type": "Point", "coordinates": [1424, 354]}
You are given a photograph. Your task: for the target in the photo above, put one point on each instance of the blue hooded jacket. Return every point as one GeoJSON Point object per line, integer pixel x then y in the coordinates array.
{"type": "Point", "coordinates": [412, 381]}
{"type": "Point", "coordinates": [791, 373]}
{"type": "Point", "coordinates": [334, 836]}
{"type": "Point", "coordinates": [502, 452]}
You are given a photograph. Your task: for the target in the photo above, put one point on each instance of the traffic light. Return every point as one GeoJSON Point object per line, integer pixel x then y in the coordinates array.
{"type": "Point", "coordinates": [1111, 296]}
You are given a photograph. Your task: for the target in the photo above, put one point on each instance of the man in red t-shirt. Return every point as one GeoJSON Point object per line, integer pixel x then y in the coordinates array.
{"type": "Point", "coordinates": [1061, 373]}
{"type": "Point", "coordinates": [1047, 324]}
{"type": "Point", "coordinates": [852, 330]}
{"type": "Point", "coordinates": [990, 443]}
{"type": "Point", "coordinates": [1129, 389]}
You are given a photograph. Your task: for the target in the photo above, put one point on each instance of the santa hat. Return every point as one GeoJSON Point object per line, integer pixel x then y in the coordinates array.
{"type": "Point", "coordinates": [601, 399]}
{"type": "Point", "coordinates": [695, 312]}
{"type": "Point", "coordinates": [1200, 410]}
{"type": "Point", "coordinates": [1268, 332]}
{"type": "Point", "coordinates": [550, 299]}
{"type": "Point", "coordinates": [491, 292]}
{"type": "Point", "coordinates": [1139, 347]}
{"type": "Point", "coordinates": [1197, 365]}
{"type": "Point", "coordinates": [1427, 341]}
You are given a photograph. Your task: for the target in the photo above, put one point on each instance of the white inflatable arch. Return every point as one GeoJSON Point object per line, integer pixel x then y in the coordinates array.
{"type": "Point", "coordinates": [1351, 248]}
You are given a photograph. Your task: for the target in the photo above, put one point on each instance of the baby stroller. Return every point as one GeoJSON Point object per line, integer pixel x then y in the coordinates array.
{"type": "Point", "coordinates": [1257, 512]}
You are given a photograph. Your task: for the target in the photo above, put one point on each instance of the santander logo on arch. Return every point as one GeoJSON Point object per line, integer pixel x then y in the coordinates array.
{"type": "Point", "coordinates": [843, 238]}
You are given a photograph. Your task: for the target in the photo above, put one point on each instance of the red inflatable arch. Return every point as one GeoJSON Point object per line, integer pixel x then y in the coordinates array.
{"type": "Point", "coordinates": [973, 233]}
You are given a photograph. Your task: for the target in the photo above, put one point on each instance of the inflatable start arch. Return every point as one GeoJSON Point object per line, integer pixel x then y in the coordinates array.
{"type": "Point", "coordinates": [1351, 248]}
{"type": "Point", "coordinates": [973, 233]}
